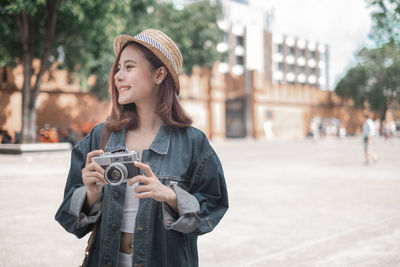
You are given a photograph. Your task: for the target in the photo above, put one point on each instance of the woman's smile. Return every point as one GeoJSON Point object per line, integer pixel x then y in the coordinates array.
{"type": "Point", "coordinates": [123, 89]}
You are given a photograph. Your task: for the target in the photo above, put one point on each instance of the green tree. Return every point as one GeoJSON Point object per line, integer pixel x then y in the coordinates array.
{"type": "Point", "coordinates": [353, 85]}
{"type": "Point", "coordinates": [386, 20]}
{"type": "Point", "coordinates": [72, 32]}
{"type": "Point", "coordinates": [193, 28]}
{"type": "Point", "coordinates": [374, 79]}
{"type": "Point", "coordinates": [78, 35]}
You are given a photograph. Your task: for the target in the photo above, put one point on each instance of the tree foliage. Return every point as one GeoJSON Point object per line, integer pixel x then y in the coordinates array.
{"type": "Point", "coordinates": [86, 29]}
{"type": "Point", "coordinates": [386, 20]}
{"type": "Point", "coordinates": [376, 77]}
{"type": "Point", "coordinates": [353, 85]}
{"type": "Point", "coordinates": [78, 35]}
{"type": "Point", "coordinates": [193, 28]}
{"type": "Point", "coordinates": [69, 31]}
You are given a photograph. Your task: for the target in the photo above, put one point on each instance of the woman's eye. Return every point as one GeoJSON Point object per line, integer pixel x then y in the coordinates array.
{"type": "Point", "coordinates": [129, 67]}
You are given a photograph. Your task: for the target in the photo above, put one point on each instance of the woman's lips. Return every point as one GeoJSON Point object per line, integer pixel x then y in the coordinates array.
{"type": "Point", "coordinates": [124, 88]}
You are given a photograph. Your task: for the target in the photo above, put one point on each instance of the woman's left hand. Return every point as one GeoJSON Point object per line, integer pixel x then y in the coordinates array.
{"type": "Point", "coordinates": [151, 187]}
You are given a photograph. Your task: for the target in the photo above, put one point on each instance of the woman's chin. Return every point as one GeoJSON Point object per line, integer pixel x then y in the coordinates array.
{"type": "Point", "coordinates": [124, 101]}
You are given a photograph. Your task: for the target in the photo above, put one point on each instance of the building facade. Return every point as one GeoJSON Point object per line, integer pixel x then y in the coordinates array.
{"type": "Point", "coordinates": [250, 45]}
{"type": "Point", "coordinates": [297, 61]}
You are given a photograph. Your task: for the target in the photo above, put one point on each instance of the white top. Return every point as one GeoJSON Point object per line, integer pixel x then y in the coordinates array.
{"type": "Point", "coordinates": [368, 128]}
{"type": "Point", "coordinates": [131, 206]}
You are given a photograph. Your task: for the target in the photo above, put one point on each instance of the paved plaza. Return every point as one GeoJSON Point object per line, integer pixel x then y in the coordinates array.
{"type": "Point", "coordinates": [292, 203]}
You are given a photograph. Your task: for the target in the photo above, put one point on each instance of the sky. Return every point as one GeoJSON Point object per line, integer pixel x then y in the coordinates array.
{"type": "Point", "coordinates": [341, 24]}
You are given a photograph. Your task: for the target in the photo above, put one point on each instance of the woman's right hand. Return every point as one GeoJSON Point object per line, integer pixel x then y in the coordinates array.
{"type": "Point", "coordinates": [93, 178]}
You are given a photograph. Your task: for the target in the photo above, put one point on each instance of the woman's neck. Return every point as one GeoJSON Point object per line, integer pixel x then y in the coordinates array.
{"type": "Point", "coordinates": [149, 121]}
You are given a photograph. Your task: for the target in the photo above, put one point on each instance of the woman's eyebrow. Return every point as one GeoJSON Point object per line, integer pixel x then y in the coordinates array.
{"type": "Point", "coordinates": [128, 61]}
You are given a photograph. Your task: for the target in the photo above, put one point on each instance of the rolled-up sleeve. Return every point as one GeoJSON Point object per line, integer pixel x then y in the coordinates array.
{"type": "Point", "coordinates": [202, 207]}
{"type": "Point", "coordinates": [186, 219]}
{"type": "Point", "coordinates": [211, 192]}
{"type": "Point", "coordinates": [70, 214]}
{"type": "Point", "coordinates": [77, 201]}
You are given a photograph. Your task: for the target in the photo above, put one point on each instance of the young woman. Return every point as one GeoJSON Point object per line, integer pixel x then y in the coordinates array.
{"type": "Point", "coordinates": [155, 218]}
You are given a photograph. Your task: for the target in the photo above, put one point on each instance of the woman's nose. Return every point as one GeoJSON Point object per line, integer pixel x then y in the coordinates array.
{"type": "Point", "coordinates": [118, 76]}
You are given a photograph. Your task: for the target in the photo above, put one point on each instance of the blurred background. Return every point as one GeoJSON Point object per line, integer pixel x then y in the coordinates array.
{"type": "Point", "coordinates": [281, 88]}
{"type": "Point", "coordinates": [260, 69]}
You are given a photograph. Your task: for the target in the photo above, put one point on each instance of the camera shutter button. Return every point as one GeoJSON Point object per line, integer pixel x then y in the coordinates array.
{"type": "Point", "coordinates": [116, 195]}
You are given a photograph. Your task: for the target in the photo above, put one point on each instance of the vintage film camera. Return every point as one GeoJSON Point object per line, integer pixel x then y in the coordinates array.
{"type": "Point", "coordinates": [118, 166]}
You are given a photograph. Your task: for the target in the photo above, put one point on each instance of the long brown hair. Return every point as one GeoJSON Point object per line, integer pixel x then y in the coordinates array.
{"type": "Point", "coordinates": [168, 107]}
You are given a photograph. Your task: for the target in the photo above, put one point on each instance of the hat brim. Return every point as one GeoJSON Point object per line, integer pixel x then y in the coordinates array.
{"type": "Point", "coordinates": [122, 40]}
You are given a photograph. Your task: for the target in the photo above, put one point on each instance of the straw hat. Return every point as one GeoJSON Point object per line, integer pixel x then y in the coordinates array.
{"type": "Point", "coordinates": [161, 45]}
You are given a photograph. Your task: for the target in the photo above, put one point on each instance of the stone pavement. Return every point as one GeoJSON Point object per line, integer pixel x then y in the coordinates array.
{"type": "Point", "coordinates": [292, 203]}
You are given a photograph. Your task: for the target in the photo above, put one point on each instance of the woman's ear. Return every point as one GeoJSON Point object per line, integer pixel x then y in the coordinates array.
{"type": "Point", "coordinates": [160, 74]}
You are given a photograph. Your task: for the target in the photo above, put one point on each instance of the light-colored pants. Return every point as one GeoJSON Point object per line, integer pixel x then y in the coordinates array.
{"type": "Point", "coordinates": [124, 260]}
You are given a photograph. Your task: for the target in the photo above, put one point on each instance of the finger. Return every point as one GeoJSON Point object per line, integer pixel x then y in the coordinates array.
{"type": "Point", "coordinates": [144, 195]}
{"type": "Point", "coordinates": [95, 167]}
{"type": "Point", "coordinates": [93, 174]}
{"type": "Point", "coordinates": [93, 179]}
{"type": "Point", "coordinates": [139, 179]}
{"type": "Point", "coordinates": [88, 173]}
{"type": "Point", "coordinates": [142, 188]}
{"type": "Point", "coordinates": [144, 167]}
{"type": "Point", "coordinates": [92, 154]}
{"type": "Point", "coordinates": [101, 177]}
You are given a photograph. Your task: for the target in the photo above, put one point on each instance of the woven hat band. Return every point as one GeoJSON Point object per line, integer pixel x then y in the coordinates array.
{"type": "Point", "coordinates": [156, 44]}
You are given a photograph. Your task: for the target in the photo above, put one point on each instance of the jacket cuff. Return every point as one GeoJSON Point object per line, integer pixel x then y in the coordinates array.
{"type": "Point", "coordinates": [77, 201]}
{"type": "Point", "coordinates": [186, 220]}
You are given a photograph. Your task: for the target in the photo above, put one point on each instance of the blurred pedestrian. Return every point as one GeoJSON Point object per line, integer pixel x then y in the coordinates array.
{"type": "Point", "coordinates": [385, 130]}
{"type": "Point", "coordinates": [62, 135]}
{"type": "Point", "coordinates": [342, 132]}
{"type": "Point", "coordinates": [48, 134]}
{"type": "Point", "coordinates": [5, 137]}
{"type": "Point", "coordinates": [72, 135]}
{"type": "Point", "coordinates": [182, 188]}
{"type": "Point", "coordinates": [314, 128]}
{"type": "Point", "coordinates": [17, 137]}
{"type": "Point", "coordinates": [269, 134]}
{"type": "Point", "coordinates": [44, 133]}
{"type": "Point", "coordinates": [368, 133]}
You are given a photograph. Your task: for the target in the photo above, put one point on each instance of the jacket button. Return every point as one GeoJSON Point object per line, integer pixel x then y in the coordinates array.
{"type": "Point", "coordinates": [114, 227]}
{"type": "Point", "coordinates": [109, 264]}
{"type": "Point", "coordinates": [116, 195]}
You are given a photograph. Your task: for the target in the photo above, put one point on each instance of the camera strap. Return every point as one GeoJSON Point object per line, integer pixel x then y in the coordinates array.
{"type": "Point", "coordinates": [105, 135]}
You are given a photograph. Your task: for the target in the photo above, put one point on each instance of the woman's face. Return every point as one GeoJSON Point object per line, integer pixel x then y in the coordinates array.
{"type": "Point", "coordinates": [134, 77]}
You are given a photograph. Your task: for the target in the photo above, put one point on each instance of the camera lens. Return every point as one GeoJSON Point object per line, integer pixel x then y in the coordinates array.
{"type": "Point", "coordinates": [115, 173]}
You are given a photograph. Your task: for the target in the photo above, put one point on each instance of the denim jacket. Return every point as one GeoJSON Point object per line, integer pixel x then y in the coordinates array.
{"type": "Point", "coordinates": [181, 158]}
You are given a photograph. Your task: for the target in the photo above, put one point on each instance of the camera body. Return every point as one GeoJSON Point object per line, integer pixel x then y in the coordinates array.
{"type": "Point", "coordinates": [118, 166]}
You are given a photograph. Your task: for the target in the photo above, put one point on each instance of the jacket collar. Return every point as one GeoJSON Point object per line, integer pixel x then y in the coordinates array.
{"type": "Point", "coordinates": [159, 145]}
